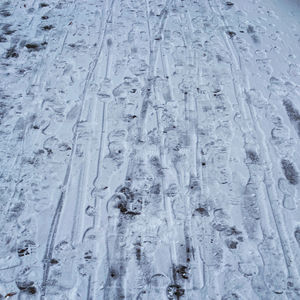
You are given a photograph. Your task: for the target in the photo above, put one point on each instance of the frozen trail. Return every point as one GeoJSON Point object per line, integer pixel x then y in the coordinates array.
{"type": "Point", "coordinates": [149, 149]}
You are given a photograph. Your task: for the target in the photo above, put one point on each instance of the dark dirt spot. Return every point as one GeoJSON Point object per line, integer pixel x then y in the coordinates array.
{"type": "Point", "coordinates": [231, 244]}
{"type": "Point", "coordinates": [194, 185]}
{"type": "Point", "coordinates": [64, 147]}
{"type": "Point", "coordinates": [132, 212]}
{"type": "Point", "coordinates": [228, 3]}
{"type": "Point", "coordinates": [123, 209]}
{"type": "Point", "coordinates": [138, 251]}
{"type": "Point", "coordinates": [174, 290]}
{"type": "Point", "coordinates": [189, 253]}
{"type": "Point", "coordinates": [88, 255]}
{"type": "Point", "coordinates": [202, 211]}
{"type": "Point", "coordinates": [290, 172]}
{"type": "Point", "coordinates": [35, 47]}
{"type": "Point", "coordinates": [22, 252]}
{"type": "Point", "coordinates": [49, 151]}
{"type": "Point", "coordinates": [252, 156]}
{"type": "Point", "coordinates": [231, 34]}
{"type": "Point", "coordinates": [25, 248]}
{"type": "Point", "coordinates": [11, 53]}
{"type": "Point", "coordinates": [31, 290]}
{"type": "Point", "coordinates": [53, 261]}
{"type": "Point", "coordinates": [44, 4]}
{"type": "Point", "coordinates": [127, 192]}
{"type": "Point", "coordinates": [113, 274]}
{"type": "Point", "coordinates": [10, 294]}
{"type": "Point", "coordinates": [27, 287]}
{"type": "Point", "coordinates": [183, 271]}
{"type": "Point", "coordinates": [188, 250]}
{"type": "Point", "coordinates": [47, 27]}
{"type": "Point", "coordinates": [32, 46]}
{"type": "Point", "coordinates": [131, 204]}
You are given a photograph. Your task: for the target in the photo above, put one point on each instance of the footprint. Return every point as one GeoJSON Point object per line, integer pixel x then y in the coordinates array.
{"type": "Point", "coordinates": [297, 234]}
{"type": "Point", "coordinates": [288, 191]}
{"type": "Point", "coordinates": [25, 248]}
{"type": "Point", "coordinates": [290, 172]}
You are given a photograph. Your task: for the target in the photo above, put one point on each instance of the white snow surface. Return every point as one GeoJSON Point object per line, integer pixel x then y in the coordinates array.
{"type": "Point", "coordinates": [149, 149]}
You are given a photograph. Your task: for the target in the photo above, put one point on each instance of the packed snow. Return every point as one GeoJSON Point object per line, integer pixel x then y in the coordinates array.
{"type": "Point", "coordinates": [149, 149]}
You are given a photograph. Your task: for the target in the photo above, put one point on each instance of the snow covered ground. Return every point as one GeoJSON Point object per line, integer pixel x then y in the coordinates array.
{"type": "Point", "coordinates": [149, 149]}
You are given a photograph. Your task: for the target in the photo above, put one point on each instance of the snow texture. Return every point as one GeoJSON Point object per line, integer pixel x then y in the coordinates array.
{"type": "Point", "coordinates": [149, 149]}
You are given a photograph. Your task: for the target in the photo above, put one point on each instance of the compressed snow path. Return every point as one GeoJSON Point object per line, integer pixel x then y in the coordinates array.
{"type": "Point", "coordinates": [150, 149]}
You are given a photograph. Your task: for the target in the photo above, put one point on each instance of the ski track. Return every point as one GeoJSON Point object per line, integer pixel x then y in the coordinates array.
{"type": "Point", "coordinates": [149, 149]}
